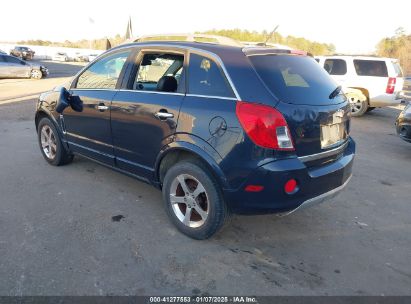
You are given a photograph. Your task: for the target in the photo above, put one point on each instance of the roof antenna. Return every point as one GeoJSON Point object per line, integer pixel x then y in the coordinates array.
{"type": "Point", "coordinates": [269, 36]}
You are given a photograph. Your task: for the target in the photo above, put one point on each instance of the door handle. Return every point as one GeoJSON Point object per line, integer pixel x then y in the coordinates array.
{"type": "Point", "coordinates": [164, 115]}
{"type": "Point", "coordinates": [102, 107]}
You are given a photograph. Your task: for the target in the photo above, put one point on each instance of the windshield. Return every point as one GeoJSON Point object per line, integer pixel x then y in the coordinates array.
{"type": "Point", "coordinates": [296, 79]}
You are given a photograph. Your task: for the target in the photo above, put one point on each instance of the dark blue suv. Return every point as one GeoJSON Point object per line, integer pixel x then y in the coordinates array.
{"type": "Point", "coordinates": [220, 129]}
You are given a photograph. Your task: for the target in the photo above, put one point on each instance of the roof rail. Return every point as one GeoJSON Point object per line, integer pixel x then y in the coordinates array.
{"type": "Point", "coordinates": [201, 38]}
{"type": "Point", "coordinates": [354, 55]}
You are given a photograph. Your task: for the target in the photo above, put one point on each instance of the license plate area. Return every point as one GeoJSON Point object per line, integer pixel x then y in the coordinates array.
{"type": "Point", "coordinates": [332, 134]}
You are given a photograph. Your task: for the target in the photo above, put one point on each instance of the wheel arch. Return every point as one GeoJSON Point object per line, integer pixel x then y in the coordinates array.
{"type": "Point", "coordinates": [180, 150]}
{"type": "Point", "coordinates": [42, 113]}
{"type": "Point", "coordinates": [364, 91]}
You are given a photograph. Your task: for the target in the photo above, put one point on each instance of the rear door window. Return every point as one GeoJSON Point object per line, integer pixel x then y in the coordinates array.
{"type": "Point", "coordinates": [376, 68]}
{"type": "Point", "coordinates": [335, 66]}
{"type": "Point", "coordinates": [207, 78]}
{"type": "Point", "coordinates": [296, 79]}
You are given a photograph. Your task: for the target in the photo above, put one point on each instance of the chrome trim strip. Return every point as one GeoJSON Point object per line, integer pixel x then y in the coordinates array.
{"type": "Point", "coordinates": [159, 92]}
{"type": "Point", "coordinates": [209, 96]}
{"type": "Point", "coordinates": [152, 92]}
{"type": "Point", "coordinates": [97, 89]}
{"type": "Point", "coordinates": [331, 152]}
{"type": "Point", "coordinates": [320, 198]}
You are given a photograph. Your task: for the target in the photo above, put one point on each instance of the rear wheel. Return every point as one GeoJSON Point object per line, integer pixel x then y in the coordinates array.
{"type": "Point", "coordinates": [50, 144]}
{"type": "Point", "coordinates": [193, 200]}
{"type": "Point", "coordinates": [358, 102]}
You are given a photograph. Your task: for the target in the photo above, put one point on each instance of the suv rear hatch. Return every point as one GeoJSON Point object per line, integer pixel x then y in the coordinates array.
{"type": "Point", "coordinates": [316, 112]}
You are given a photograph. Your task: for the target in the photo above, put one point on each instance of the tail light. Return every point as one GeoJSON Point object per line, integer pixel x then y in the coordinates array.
{"type": "Point", "coordinates": [391, 85]}
{"type": "Point", "coordinates": [265, 126]}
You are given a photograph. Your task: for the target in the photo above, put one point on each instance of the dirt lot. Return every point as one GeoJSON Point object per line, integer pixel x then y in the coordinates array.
{"type": "Point", "coordinates": [58, 237]}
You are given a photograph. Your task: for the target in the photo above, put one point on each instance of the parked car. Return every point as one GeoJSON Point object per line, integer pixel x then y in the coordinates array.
{"type": "Point", "coordinates": [407, 89]}
{"type": "Point", "coordinates": [91, 57]}
{"type": "Point", "coordinates": [403, 123]}
{"type": "Point", "coordinates": [12, 67]}
{"type": "Point", "coordinates": [22, 52]}
{"type": "Point", "coordinates": [60, 56]}
{"type": "Point", "coordinates": [219, 129]}
{"type": "Point", "coordinates": [79, 57]}
{"type": "Point", "coordinates": [369, 82]}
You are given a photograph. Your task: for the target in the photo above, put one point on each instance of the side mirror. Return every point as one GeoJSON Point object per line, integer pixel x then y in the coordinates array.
{"type": "Point", "coordinates": [63, 100]}
{"type": "Point", "coordinates": [66, 99]}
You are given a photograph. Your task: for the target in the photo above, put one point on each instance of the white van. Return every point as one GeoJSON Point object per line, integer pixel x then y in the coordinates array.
{"type": "Point", "coordinates": [369, 82]}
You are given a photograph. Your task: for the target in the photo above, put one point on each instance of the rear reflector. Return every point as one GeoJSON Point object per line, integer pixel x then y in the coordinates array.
{"type": "Point", "coordinates": [254, 188]}
{"type": "Point", "coordinates": [290, 186]}
{"type": "Point", "coordinates": [391, 85]}
{"type": "Point", "coordinates": [265, 126]}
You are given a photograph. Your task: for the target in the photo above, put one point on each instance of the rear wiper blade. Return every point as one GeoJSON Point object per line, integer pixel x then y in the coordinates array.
{"type": "Point", "coordinates": [335, 92]}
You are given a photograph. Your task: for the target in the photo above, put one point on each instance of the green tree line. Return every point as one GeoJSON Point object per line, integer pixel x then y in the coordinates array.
{"type": "Point", "coordinates": [313, 47]}
{"type": "Point", "coordinates": [316, 48]}
{"type": "Point", "coordinates": [397, 46]}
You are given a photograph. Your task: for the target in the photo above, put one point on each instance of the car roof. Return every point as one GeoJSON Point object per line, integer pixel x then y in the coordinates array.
{"type": "Point", "coordinates": [365, 57]}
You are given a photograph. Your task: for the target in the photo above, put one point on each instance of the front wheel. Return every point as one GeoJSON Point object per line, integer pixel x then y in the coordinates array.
{"type": "Point", "coordinates": [36, 74]}
{"type": "Point", "coordinates": [50, 144]}
{"type": "Point", "coordinates": [193, 200]}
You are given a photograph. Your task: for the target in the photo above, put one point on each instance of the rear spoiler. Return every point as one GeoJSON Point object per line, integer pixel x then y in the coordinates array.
{"type": "Point", "coordinates": [260, 51]}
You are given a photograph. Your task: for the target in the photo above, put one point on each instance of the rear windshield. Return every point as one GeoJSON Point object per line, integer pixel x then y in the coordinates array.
{"type": "Point", "coordinates": [376, 68]}
{"type": "Point", "coordinates": [296, 79]}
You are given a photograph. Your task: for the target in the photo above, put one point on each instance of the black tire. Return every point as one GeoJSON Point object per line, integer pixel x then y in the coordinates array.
{"type": "Point", "coordinates": [217, 211]}
{"type": "Point", "coordinates": [57, 155]}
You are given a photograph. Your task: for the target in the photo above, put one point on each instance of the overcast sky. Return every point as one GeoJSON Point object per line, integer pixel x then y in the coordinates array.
{"type": "Point", "coordinates": [352, 25]}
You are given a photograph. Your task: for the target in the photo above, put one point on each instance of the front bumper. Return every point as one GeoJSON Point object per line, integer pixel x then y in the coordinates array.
{"type": "Point", "coordinates": [44, 71]}
{"type": "Point", "coordinates": [403, 124]}
{"type": "Point", "coordinates": [316, 183]}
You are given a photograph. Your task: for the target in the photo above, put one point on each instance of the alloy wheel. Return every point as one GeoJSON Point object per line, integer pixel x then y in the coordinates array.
{"type": "Point", "coordinates": [48, 142]}
{"type": "Point", "coordinates": [356, 104]}
{"type": "Point", "coordinates": [36, 74]}
{"type": "Point", "coordinates": [189, 200]}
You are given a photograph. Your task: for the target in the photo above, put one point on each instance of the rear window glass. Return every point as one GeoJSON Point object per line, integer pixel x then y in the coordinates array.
{"type": "Point", "coordinates": [296, 79]}
{"type": "Point", "coordinates": [398, 70]}
{"type": "Point", "coordinates": [376, 68]}
{"type": "Point", "coordinates": [335, 66]}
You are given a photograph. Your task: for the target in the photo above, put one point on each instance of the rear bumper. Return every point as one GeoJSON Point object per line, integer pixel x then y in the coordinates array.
{"type": "Point", "coordinates": [321, 198]}
{"type": "Point", "coordinates": [316, 184]}
{"type": "Point", "coordinates": [385, 100]}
